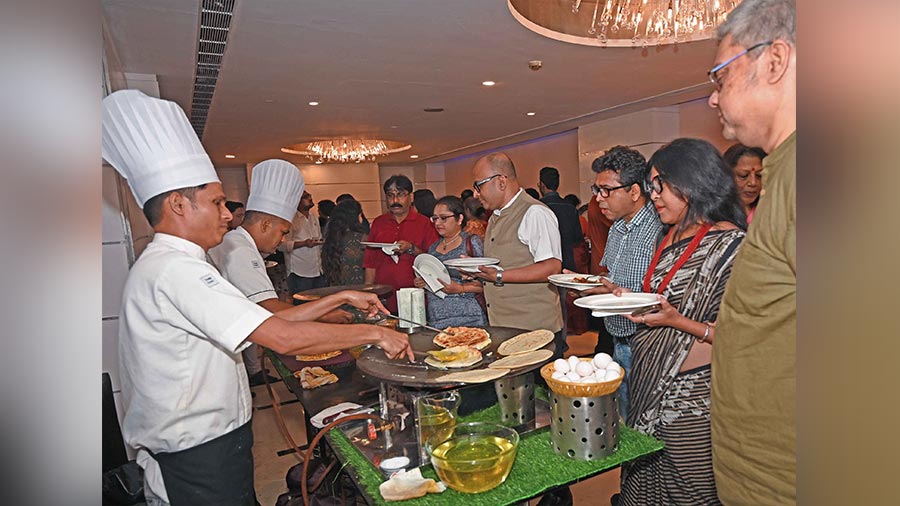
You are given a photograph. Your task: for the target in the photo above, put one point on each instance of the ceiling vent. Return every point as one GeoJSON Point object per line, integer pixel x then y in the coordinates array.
{"type": "Point", "coordinates": [215, 20]}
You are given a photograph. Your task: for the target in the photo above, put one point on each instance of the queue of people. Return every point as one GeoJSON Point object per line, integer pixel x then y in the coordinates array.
{"type": "Point", "coordinates": [713, 236]}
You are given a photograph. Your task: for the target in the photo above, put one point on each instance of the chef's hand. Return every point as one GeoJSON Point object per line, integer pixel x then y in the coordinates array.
{"type": "Point", "coordinates": [367, 302]}
{"type": "Point", "coordinates": [394, 344]}
{"type": "Point", "coordinates": [451, 287]}
{"type": "Point", "coordinates": [666, 316]}
{"type": "Point", "coordinates": [336, 316]}
{"type": "Point", "coordinates": [419, 282]}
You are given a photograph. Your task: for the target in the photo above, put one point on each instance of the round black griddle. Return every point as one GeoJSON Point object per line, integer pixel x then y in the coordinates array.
{"type": "Point", "coordinates": [374, 363]}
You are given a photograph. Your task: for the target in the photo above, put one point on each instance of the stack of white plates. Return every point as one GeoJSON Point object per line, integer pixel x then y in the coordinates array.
{"type": "Point", "coordinates": [608, 304]}
{"type": "Point", "coordinates": [431, 270]}
{"type": "Point", "coordinates": [568, 281]}
{"type": "Point", "coordinates": [387, 247]}
{"type": "Point", "coordinates": [470, 264]}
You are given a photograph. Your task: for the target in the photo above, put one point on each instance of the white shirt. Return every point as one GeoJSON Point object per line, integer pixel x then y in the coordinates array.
{"type": "Point", "coordinates": [539, 230]}
{"type": "Point", "coordinates": [182, 328]}
{"type": "Point", "coordinates": [304, 262]}
{"type": "Point", "coordinates": [243, 266]}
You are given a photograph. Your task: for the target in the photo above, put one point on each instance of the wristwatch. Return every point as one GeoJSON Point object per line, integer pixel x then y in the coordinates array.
{"type": "Point", "coordinates": [411, 250]}
{"type": "Point", "coordinates": [499, 280]}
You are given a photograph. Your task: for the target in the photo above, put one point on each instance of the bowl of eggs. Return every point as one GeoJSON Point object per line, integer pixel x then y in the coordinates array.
{"type": "Point", "coordinates": [584, 377]}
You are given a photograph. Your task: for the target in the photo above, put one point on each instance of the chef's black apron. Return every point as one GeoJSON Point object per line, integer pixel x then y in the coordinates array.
{"type": "Point", "coordinates": [218, 472]}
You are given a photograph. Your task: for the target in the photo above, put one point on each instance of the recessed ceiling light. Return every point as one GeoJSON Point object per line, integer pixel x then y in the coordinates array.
{"type": "Point", "coordinates": [488, 83]}
{"type": "Point", "coordinates": [393, 126]}
{"type": "Point", "coordinates": [529, 114]}
{"type": "Point", "coordinates": [269, 100]}
{"type": "Point", "coordinates": [229, 156]}
{"type": "Point", "coordinates": [413, 156]}
{"type": "Point", "coordinates": [313, 103]}
{"type": "Point", "coordinates": [318, 162]}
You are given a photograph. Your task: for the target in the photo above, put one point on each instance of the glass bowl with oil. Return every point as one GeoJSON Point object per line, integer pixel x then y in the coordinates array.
{"type": "Point", "coordinates": [476, 458]}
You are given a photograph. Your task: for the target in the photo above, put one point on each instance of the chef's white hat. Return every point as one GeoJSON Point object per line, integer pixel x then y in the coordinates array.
{"type": "Point", "coordinates": [275, 188]}
{"type": "Point", "coordinates": [152, 144]}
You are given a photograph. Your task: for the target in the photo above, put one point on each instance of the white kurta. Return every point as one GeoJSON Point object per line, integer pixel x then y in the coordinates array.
{"type": "Point", "coordinates": [304, 262]}
{"type": "Point", "coordinates": [241, 263]}
{"type": "Point", "coordinates": [182, 329]}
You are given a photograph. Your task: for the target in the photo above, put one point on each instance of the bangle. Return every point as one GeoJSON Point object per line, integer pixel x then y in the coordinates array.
{"type": "Point", "coordinates": [705, 333]}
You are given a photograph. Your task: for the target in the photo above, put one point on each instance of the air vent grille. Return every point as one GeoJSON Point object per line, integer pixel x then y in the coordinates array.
{"type": "Point", "coordinates": [215, 21]}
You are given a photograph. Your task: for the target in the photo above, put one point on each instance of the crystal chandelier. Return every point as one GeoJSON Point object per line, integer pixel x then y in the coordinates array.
{"type": "Point", "coordinates": [626, 23]}
{"type": "Point", "coordinates": [345, 150]}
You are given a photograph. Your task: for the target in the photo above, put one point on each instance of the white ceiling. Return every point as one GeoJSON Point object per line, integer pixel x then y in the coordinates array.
{"type": "Point", "coordinates": [373, 65]}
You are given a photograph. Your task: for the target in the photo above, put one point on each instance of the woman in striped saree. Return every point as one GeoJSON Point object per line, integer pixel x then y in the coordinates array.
{"type": "Point", "coordinates": [694, 193]}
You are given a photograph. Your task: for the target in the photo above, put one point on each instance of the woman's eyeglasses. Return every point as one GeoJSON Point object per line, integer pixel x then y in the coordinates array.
{"type": "Point", "coordinates": [603, 191]}
{"type": "Point", "coordinates": [438, 218]}
{"type": "Point", "coordinates": [654, 185]}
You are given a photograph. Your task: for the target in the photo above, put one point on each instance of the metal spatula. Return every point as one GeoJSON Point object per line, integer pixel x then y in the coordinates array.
{"type": "Point", "coordinates": [419, 324]}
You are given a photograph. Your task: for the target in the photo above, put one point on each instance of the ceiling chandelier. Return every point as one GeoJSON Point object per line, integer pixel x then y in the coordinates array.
{"type": "Point", "coordinates": [623, 23]}
{"type": "Point", "coordinates": [345, 150]}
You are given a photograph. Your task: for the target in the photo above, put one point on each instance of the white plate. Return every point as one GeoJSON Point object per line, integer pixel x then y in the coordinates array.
{"type": "Point", "coordinates": [470, 264]}
{"type": "Point", "coordinates": [610, 303]}
{"type": "Point", "coordinates": [431, 270]}
{"type": "Point", "coordinates": [565, 281]}
{"type": "Point", "coordinates": [378, 244]}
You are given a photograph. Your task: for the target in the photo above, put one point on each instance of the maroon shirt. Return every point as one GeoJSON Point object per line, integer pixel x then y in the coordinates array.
{"type": "Point", "coordinates": [416, 229]}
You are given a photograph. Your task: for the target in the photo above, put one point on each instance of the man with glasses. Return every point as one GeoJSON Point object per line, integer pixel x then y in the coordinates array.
{"type": "Point", "coordinates": [754, 415]}
{"type": "Point", "coordinates": [412, 232]}
{"type": "Point", "coordinates": [524, 235]}
{"type": "Point", "coordinates": [619, 190]}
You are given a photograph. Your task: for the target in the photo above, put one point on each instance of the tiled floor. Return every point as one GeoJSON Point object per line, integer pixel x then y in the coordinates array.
{"type": "Point", "coordinates": [271, 468]}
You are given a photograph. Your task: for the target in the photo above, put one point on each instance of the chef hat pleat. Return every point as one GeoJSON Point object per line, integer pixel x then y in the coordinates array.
{"type": "Point", "coordinates": [275, 188]}
{"type": "Point", "coordinates": [151, 143]}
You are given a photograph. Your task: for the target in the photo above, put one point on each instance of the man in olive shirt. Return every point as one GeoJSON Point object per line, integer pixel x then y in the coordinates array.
{"type": "Point", "coordinates": [754, 363]}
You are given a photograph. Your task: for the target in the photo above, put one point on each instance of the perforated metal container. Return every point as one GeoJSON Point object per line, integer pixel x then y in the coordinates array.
{"type": "Point", "coordinates": [584, 428]}
{"type": "Point", "coordinates": [515, 396]}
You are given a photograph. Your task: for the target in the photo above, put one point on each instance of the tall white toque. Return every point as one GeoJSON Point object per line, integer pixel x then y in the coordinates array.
{"type": "Point", "coordinates": [150, 142]}
{"type": "Point", "coordinates": [275, 188]}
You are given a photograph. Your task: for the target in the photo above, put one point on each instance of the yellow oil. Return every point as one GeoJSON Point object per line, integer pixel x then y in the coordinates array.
{"type": "Point", "coordinates": [436, 424]}
{"type": "Point", "coordinates": [475, 463]}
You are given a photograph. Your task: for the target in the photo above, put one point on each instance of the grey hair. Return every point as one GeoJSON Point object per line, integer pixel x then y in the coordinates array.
{"type": "Point", "coordinates": [755, 21]}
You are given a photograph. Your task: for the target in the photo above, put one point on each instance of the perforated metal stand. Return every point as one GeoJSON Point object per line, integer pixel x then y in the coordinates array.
{"type": "Point", "coordinates": [515, 396]}
{"type": "Point", "coordinates": [584, 428]}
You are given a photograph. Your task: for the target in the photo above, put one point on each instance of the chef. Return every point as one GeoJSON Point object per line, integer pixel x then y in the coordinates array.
{"type": "Point", "coordinates": [183, 326]}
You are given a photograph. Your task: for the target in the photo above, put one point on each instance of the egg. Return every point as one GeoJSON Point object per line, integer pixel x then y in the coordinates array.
{"type": "Point", "coordinates": [584, 369]}
{"type": "Point", "coordinates": [601, 360]}
{"type": "Point", "coordinates": [589, 379]}
{"type": "Point", "coordinates": [614, 367]}
{"type": "Point", "coordinates": [611, 375]}
{"type": "Point", "coordinates": [572, 376]}
{"type": "Point", "coordinates": [558, 375]}
{"type": "Point", "coordinates": [573, 362]}
{"type": "Point", "coordinates": [560, 365]}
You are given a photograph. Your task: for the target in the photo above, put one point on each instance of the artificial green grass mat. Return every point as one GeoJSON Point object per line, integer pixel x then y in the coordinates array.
{"type": "Point", "coordinates": [537, 467]}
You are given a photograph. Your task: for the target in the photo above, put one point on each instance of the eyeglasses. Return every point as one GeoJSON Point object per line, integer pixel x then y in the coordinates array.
{"type": "Point", "coordinates": [436, 218]}
{"type": "Point", "coordinates": [604, 191]}
{"type": "Point", "coordinates": [396, 195]}
{"type": "Point", "coordinates": [654, 185]}
{"type": "Point", "coordinates": [478, 184]}
{"type": "Point", "coordinates": [713, 74]}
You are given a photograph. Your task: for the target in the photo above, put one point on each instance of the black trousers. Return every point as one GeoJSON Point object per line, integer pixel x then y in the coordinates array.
{"type": "Point", "coordinates": [218, 472]}
{"type": "Point", "coordinates": [605, 340]}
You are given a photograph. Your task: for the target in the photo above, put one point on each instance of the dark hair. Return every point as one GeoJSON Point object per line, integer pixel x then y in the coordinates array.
{"type": "Point", "coordinates": [734, 154]}
{"type": "Point", "coordinates": [400, 181]}
{"type": "Point", "coordinates": [534, 193]}
{"type": "Point", "coordinates": [454, 205]}
{"type": "Point", "coordinates": [153, 207]}
{"type": "Point", "coordinates": [343, 220]}
{"type": "Point", "coordinates": [424, 201]}
{"type": "Point", "coordinates": [233, 206]}
{"type": "Point", "coordinates": [572, 199]}
{"type": "Point", "coordinates": [695, 171]}
{"type": "Point", "coordinates": [629, 164]}
{"type": "Point", "coordinates": [549, 176]}
{"type": "Point", "coordinates": [474, 207]}
{"type": "Point", "coordinates": [466, 194]}
{"type": "Point", "coordinates": [344, 197]}
{"type": "Point", "coordinates": [325, 207]}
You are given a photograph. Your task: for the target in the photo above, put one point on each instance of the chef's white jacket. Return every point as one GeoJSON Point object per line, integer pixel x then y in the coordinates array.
{"type": "Point", "coordinates": [182, 328]}
{"type": "Point", "coordinates": [241, 263]}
